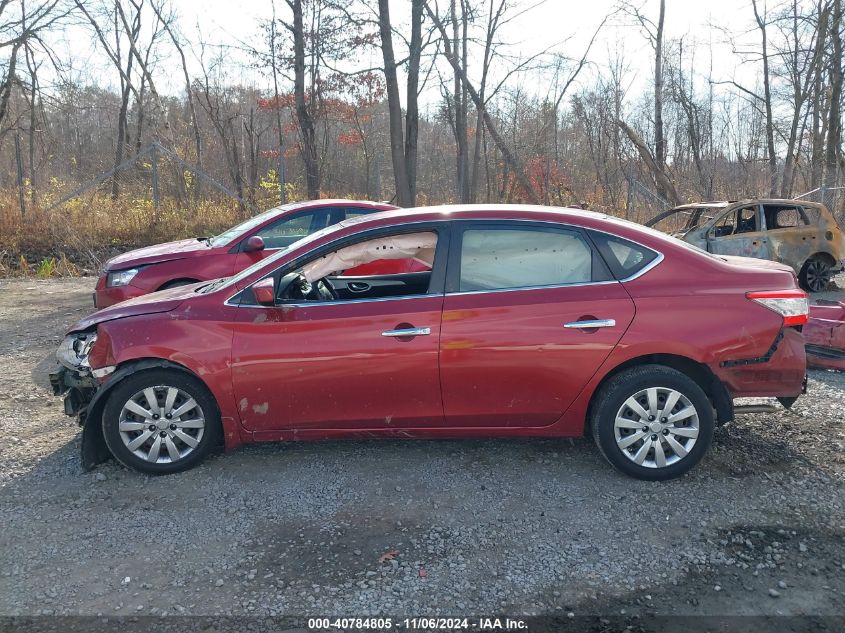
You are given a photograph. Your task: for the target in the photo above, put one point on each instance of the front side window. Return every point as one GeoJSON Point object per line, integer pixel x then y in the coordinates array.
{"type": "Point", "coordinates": [326, 278]}
{"type": "Point", "coordinates": [286, 231]}
{"type": "Point", "coordinates": [742, 220]}
{"type": "Point", "coordinates": [493, 259]}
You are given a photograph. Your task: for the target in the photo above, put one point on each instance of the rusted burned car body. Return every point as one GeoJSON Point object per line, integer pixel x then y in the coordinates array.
{"type": "Point", "coordinates": [801, 234]}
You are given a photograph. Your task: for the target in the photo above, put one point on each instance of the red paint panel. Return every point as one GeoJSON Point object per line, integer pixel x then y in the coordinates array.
{"type": "Point", "coordinates": [328, 365]}
{"type": "Point", "coordinates": [507, 360]}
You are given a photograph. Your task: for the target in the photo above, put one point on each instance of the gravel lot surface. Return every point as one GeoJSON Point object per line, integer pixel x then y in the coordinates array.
{"type": "Point", "coordinates": [409, 527]}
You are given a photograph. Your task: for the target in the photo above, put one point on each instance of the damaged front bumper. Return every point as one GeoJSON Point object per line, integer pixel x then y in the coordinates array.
{"type": "Point", "coordinates": [83, 396]}
{"type": "Point", "coordinates": [77, 387]}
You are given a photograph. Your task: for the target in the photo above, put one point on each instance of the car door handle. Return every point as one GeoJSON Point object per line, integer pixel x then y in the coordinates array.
{"type": "Point", "coordinates": [414, 331]}
{"type": "Point", "coordinates": [589, 325]}
{"type": "Point", "coordinates": [358, 286]}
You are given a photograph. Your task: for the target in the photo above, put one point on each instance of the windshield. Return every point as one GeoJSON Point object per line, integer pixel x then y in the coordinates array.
{"type": "Point", "coordinates": [682, 221]}
{"type": "Point", "coordinates": [247, 225]}
{"type": "Point", "coordinates": [246, 272]}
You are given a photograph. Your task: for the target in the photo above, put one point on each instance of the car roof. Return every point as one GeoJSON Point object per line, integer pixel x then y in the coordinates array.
{"type": "Point", "coordinates": [707, 205]}
{"type": "Point", "coordinates": [476, 211]}
{"type": "Point", "coordinates": [326, 202]}
{"type": "Point", "coordinates": [724, 203]}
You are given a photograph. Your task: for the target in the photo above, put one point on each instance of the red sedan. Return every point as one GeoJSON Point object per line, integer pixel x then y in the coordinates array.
{"type": "Point", "coordinates": [526, 321]}
{"type": "Point", "coordinates": [186, 262]}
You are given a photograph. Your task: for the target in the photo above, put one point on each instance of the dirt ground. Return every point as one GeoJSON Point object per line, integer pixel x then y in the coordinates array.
{"type": "Point", "coordinates": [409, 527]}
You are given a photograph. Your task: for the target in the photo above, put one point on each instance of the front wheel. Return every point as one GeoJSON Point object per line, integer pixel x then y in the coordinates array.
{"type": "Point", "coordinates": [161, 421]}
{"type": "Point", "coordinates": [815, 274]}
{"type": "Point", "coordinates": [652, 422]}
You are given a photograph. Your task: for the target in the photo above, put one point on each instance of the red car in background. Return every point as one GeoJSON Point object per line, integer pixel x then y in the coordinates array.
{"type": "Point", "coordinates": [184, 262]}
{"type": "Point", "coordinates": [526, 321]}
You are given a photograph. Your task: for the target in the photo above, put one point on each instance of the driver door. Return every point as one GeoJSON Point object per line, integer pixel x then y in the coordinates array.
{"type": "Point", "coordinates": [369, 363]}
{"type": "Point", "coordinates": [739, 232]}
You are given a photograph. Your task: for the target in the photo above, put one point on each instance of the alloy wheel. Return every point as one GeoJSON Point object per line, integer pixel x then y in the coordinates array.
{"type": "Point", "coordinates": [161, 424]}
{"type": "Point", "coordinates": [656, 427]}
{"type": "Point", "coordinates": [817, 275]}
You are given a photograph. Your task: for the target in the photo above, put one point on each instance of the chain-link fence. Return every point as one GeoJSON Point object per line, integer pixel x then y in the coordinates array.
{"type": "Point", "coordinates": [831, 197]}
{"type": "Point", "coordinates": [643, 203]}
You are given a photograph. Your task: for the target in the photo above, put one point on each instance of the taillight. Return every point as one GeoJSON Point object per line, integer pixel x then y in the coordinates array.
{"type": "Point", "coordinates": [792, 305]}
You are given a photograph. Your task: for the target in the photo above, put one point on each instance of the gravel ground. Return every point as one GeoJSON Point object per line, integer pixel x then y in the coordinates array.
{"type": "Point", "coordinates": [409, 527]}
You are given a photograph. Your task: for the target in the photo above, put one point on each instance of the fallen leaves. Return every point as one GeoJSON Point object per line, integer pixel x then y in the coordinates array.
{"type": "Point", "coordinates": [388, 555]}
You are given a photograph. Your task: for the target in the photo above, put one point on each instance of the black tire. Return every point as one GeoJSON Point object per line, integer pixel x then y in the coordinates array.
{"type": "Point", "coordinates": [613, 396]}
{"type": "Point", "coordinates": [177, 282]}
{"type": "Point", "coordinates": [161, 379]}
{"type": "Point", "coordinates": [815, 274]}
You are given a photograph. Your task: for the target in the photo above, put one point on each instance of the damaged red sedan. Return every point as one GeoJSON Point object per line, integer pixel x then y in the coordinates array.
{"type": "Point", "coordinates": [520, 321]}
{"type": "Point", "coordinates": [185, 262]}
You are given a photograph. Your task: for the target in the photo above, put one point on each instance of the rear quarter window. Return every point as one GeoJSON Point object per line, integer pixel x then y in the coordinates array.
{"type": "Point", "coordinates": [812, 214]}
{"type": "Point", "coordinates": [623, 257]}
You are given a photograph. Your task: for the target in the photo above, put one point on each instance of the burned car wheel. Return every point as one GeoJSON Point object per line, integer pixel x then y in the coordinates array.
{"type": "Point", "coordinates": [815, 274]}
{"type": "Point", "coordinates": [160, 422]}
{"type": "Point", "coordinates": [652, 422]}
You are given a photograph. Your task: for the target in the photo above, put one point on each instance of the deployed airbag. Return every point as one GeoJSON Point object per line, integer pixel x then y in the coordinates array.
{"type": "Point", "coordinates": [418, 246]}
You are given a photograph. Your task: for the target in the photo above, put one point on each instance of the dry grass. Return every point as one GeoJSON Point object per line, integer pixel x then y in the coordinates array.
{"type": "Point", "coordinates": [76, 238]}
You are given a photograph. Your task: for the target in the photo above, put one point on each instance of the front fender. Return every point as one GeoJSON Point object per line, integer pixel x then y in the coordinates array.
{"type": "Point", "coordinates": [94, 449]}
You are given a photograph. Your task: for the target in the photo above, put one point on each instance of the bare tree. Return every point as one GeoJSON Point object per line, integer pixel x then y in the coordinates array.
{"type": "Point", "coordinates": [512, 160]}
{"type": "Point", "coordinates": [762, 25]}
{"type": "Point", "coordinates": [834, 124]}
{"type": "Point", "coordinates": [403, 140]}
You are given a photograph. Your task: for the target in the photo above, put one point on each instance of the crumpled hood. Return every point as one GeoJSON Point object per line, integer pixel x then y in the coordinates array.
{"type": "Point", "coordinates": [161, 301]}
{"type": "Point", "coordinates": [158, 253]}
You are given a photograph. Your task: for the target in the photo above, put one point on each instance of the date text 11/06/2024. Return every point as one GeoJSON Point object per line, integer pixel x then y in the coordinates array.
{"type": "Point", "coordinates": [420, 624]}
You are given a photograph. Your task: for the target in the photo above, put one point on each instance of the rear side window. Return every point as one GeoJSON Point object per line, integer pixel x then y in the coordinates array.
{"type": "Point", "coordinates": [785, 217]}
{"type": "Point", "coordinates": [500, 258]}
{"type": "Point", "coordinates": [812, 214]}
{"type": "Point", "coordinates": [623, 257]}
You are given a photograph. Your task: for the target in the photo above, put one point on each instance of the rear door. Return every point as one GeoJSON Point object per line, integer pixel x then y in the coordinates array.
{"type": "Point", "coordinates": [530, 314]}
{"type": "Point", "coordinates": [792, 237]}
{"type": "Point", "coordinates": [739, 231]}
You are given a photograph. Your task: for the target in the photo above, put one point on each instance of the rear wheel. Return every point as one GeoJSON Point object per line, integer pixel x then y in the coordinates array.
{"type": "Point", "coordinates": [652, 422]}
{"type": "Point", "coordinates": [815, 274]}
{"type": "Point", "coordinates": [161, 421]}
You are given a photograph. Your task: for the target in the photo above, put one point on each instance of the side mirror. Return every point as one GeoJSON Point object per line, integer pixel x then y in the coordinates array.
{"type": "Point", "coordinates": [253, 244]}
{"type": "Point", "coordinates": [265, 291]}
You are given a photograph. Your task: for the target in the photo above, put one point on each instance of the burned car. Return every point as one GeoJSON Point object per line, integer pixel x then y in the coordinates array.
{"type": "Point", "coordinates": [803, 235]}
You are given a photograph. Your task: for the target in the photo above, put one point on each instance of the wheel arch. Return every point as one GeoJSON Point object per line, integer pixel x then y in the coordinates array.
{"type": "Point", "coordinates": [94, 449]}
{"type": "Point", "coordinates": [825, 255]}
{"type": "Point", "coordinates": [699, 372]}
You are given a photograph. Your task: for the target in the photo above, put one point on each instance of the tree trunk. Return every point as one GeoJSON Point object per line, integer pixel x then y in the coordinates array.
{"type": "Point", "coordinates": [121, 130]}
{"type": "Point", "coordinates": [834, 123]}
{"type": "Point", "coordinates": [659, 140]}
{"type": "Point", "coordinates": [767, 103]}
{"type": "Point", "coordinates": [303, 113]}
{"type": "Point", "coordinates": [404, 197]}
{"type": "Point", "coordinates": [507, 155]}
{"type": "Point", "coordinates": [660, 177]}
{"type": "Point", "coordinates": [411, 108]}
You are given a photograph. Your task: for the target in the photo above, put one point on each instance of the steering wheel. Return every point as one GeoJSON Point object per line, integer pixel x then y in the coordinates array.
{"type": "Point", "coordinates": [295, 287]}
{"type": "Point", "coordinates": [324, 287]}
